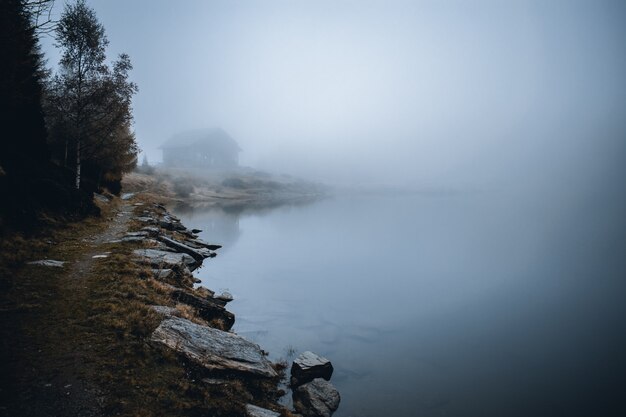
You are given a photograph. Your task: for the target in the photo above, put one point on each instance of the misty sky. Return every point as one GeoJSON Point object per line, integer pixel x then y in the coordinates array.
{"type": "Point", "coordinates": [450, 92]}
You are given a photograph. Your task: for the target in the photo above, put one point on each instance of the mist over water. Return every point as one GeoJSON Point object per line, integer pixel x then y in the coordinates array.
{"type": "Point", "coordinates": [491, 282]}
{"type": "Point", "coordinates": [410, 93]}
{"type": "Point", "coordinates": [463, 304]}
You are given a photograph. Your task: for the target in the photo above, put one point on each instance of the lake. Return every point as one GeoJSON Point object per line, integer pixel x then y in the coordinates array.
{"type": "Point", "coordinates": [435, 304]}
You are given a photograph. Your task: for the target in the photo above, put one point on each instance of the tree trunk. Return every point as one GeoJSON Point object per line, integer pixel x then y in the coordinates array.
{"type": "Point", "coordinates": [78, 165]}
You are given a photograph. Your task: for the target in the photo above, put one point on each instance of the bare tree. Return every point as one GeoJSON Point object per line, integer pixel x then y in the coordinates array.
{"type": "Point", "coordinates": [40, 13]}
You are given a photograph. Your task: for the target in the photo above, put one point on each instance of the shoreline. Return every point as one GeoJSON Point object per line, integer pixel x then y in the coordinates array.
{"type": "Point", "coordinates": [122, 328]}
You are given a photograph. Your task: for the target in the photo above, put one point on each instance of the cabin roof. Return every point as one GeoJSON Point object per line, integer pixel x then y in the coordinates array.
{"type": "Point", "coordinates": [211, 139]}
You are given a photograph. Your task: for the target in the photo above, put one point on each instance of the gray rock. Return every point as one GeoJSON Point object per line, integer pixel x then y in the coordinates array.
{"type": "Point", "coordinates": [164, 310]}
{"type": "Point", "coordinates": [225, 296]}
{"type": "Point", "coordinates": [254, 411]}
{"type": "Point", "coordinates": [208, 308]}
{"type": "Point", "coordinates": [215, 381]}
{"type": "Point", "coordinates": [48, 262]}
{"type": "Point", "coordinates": [206, 253]}
{"type": "Point", "coordinates": [141, 233]}
{"type": "Point", "coordinates": [170, 222]}
{"type": "Point", "coordinates": [181, 247]}
{"type": "Point", "coordinates": [145, 219]}
{"type": "Point", "coordinates": [211, 348]}
{"type": "Point", "coordinates": [133, 239]}
{"type": "Point", "coordinates": [163, 259]}
{"type": "Point", "coordinates": [189, 234]}
{"type": "Point", "coordinates": [318, 398]}
{"type": "Point", "coordinates": [151, 230]}
{"type": "Point", "coordinates": [101, 198]}
{"type": "Point", "coordinates": [201, 243]}
{"type": "Point", "coordinates": [309, 366]}
{"type": "Point", "coordinates": [205, 292]}
{"type": "Point", "coordinates": [127, 196]}
{"type": "Point", "coordinates": [162, 273]}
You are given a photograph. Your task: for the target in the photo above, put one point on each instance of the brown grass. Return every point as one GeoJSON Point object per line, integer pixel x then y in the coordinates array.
{"type": "Point", "coordinates": [94, 327]}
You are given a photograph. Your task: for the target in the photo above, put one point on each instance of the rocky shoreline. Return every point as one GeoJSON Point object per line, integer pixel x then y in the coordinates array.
{"type": "Point", "coordinates": [172, 252]}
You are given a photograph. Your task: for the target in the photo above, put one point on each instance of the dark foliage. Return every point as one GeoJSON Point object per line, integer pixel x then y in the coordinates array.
{"type": "Point", "coordinates": [88, 104]}
{"type": "Point", "coordinates": [29, 182]}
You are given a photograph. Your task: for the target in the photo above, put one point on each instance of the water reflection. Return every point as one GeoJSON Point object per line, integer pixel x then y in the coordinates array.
{"type": "Point", "coordinates": [464, 305]}
{"type": "Point", "coordinates": [219, 225]}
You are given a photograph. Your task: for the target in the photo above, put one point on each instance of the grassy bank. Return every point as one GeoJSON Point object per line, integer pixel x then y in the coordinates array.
{"type": "Point", "coordinates": [238, 188]}
{"type": "Point", "coordinates": [76, 338]}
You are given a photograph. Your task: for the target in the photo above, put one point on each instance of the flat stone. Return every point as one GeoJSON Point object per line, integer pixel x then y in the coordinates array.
{"type": "Point", "coordinates": [206, 253]}
{"type": "Point", "coordinates": [163, 259]}
{"type": "Point", "coordinates": [151, 230]}
{"type": "Point", "coordinates": [99, 256]}
{"type": "Point", "coordinates": [318, 398]}
{"type": "Point", "coordinates": [141, 233]}
{"type": "Point", "coordinates": [215, 381]}
{"type": "Point", "coordinates": [211, 348]}
{"type": "Point", "coordinates": [309, 366]}
{"type": "Point", "coordinates": [145, 219]}
{"type": "Point", "coordinates": [48, 262]}
{"type": "Point", "coordinates": [181, 247]}
{"type": "Point", "coordinates": [203, 244]}
{"type": "Point", "coordinates": [254, 411]}
{"type": "Point", "coordinates": [127, 196]}
{"type": "Point", "coordinates": [133, 239]}
{"type": "Point", "coordinates": [101, 198]}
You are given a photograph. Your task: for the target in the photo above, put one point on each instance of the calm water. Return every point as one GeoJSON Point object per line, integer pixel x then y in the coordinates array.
{"type": "Point", "coordinates": [436, 305]}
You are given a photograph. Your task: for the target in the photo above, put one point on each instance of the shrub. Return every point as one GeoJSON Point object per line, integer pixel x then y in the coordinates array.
{"type": "Point", "coordinates": [234, 183]}
{"type": "Point", "coordinates": [182, 188]}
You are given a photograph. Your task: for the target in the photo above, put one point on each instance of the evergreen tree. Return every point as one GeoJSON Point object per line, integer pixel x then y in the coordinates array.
{"type": "Point", "coordinates": [23, 149]}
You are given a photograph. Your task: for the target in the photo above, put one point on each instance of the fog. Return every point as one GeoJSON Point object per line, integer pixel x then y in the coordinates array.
{"type": "Point", "coordinates": [498, 294]}
{"type": "Point", "coordinates": [476, 94]}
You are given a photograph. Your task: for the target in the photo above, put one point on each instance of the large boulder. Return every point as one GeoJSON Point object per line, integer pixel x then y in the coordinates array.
{"type": "Point", "coordinates": [208, 308]}
{"type": "Point", "coordinates": [318, 398]}
{"type": "Point", "coordinates": [163, 259]}
{"type": "Point", "coordinates": [211, 348]}
{"type": "Point", "coordinates": [309, 366]}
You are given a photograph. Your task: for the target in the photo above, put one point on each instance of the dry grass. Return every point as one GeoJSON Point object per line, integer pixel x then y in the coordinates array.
{"type": "Point", "coordinates": [95, 326]}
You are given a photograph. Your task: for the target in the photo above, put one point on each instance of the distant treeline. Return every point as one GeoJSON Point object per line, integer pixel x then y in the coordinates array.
{"type": "Point", "coordinates": [67, 134]}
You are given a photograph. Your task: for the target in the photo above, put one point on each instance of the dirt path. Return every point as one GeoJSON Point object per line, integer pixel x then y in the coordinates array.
{"type": "Point", "coordinates": [48, 337]}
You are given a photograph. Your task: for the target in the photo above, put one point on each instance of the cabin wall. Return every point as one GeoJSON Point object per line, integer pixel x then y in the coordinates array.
{"type": "Point", "coordinates": [193, 158]}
